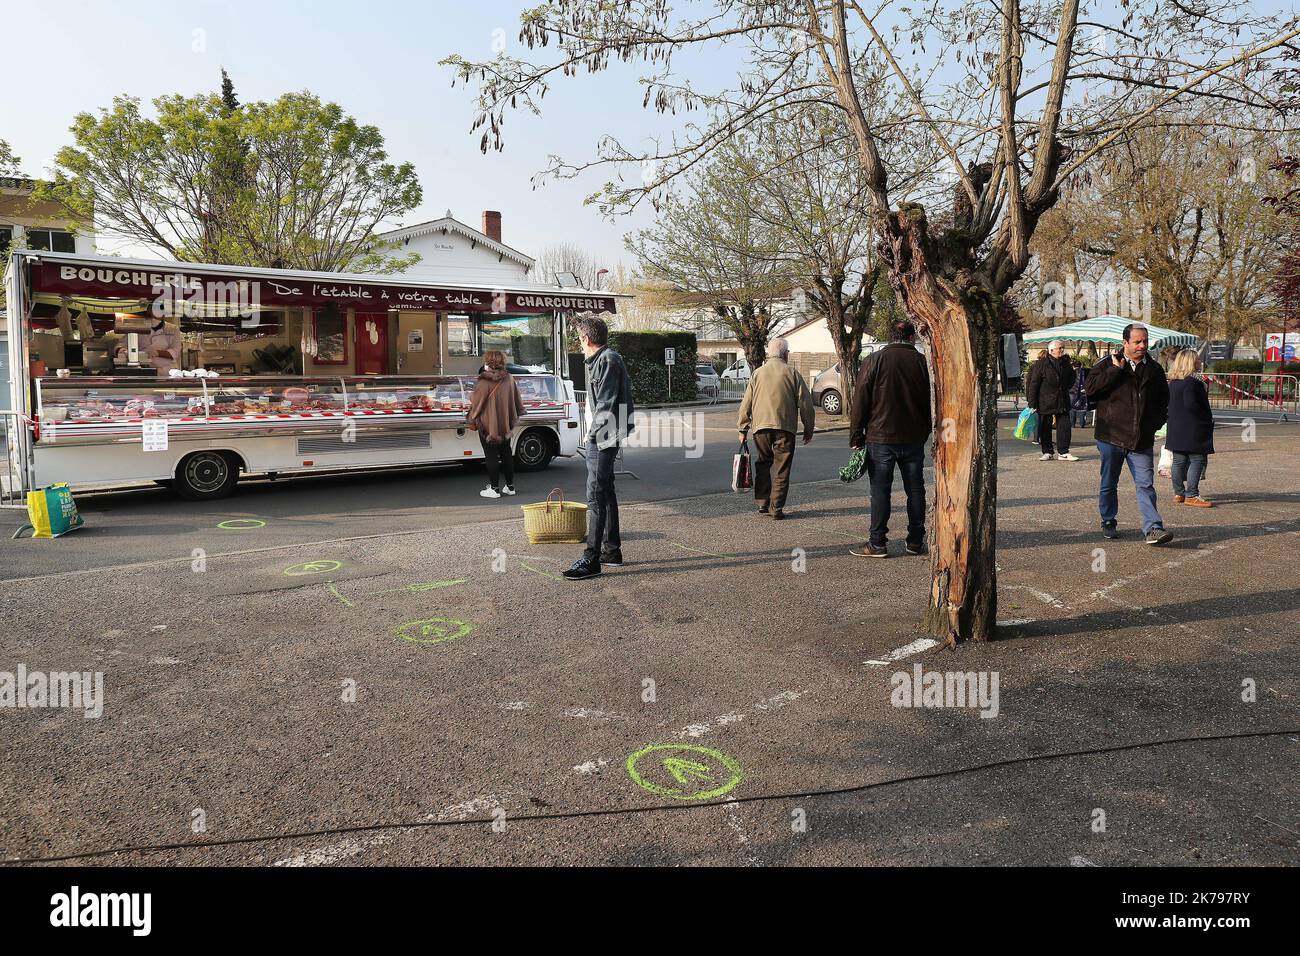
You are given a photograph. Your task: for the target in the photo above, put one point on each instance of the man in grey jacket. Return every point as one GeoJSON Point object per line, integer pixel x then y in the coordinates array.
{"type": "Point", "coordinates": [609, 417]}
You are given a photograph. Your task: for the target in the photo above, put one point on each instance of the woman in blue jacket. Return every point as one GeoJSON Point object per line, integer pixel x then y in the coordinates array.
{"type": "Point", "coordinates": [1190, 435]}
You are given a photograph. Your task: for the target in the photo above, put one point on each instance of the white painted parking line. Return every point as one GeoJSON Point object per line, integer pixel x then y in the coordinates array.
{"type": "Point", "coordinates": [355, 846]}
{"type": "Point", "coordinates": [738, 827]}
{"type": "Point", "coordinates": [775, 702]}
{"type": "Point", "coordinates": [1122, 582]}
{"type": "Point", "coordinates": [907, 650]}
{"type": "Point", "coordinates": [1041, 595]}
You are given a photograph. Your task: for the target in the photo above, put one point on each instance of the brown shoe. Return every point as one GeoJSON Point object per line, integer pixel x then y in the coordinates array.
{"type": "Point", "coordinates": [1179, 499]}
{"type": "Point", "coordinates": [1196, 502]}
{"type": "Point", "coordinates": [778, 515]}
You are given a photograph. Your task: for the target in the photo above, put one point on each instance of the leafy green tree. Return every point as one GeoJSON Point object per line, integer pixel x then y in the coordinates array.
{"type": "Point", "coordinates": [295, 183]}
{"type": "Point", "coordinates": [8, 161]}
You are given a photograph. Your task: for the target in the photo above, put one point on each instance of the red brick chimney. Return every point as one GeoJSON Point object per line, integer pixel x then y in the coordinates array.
{"type": "Point", "coordinates": [492, 224]}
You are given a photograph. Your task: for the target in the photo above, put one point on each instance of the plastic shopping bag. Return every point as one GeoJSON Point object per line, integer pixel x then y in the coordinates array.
{"type": "Point", "coordinates": [857, 467]}
{"type": "Point", "coordinates": [52, 512]}
{"type": "Point", "coordinates": [742, 478]}
{"type": "Point", "coordinates": [1166, 467]}
{"type": "Point", "coordinates": [1027, 425]}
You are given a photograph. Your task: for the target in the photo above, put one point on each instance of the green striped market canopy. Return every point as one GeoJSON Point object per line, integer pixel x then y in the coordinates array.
{"type": "Point", "coordinates": [1110, 328]}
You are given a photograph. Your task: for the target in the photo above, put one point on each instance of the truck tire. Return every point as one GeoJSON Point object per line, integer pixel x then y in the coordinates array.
{"type": "Point", "coordinates": [535, 449]}
{"type": "Point", "coordinates": [206, 475]}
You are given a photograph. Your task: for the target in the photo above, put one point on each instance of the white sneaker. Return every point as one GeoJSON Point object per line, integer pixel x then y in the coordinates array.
{"type": "Point", "coordinates": [508, 490]}
{"type": "Point", "coordinates": [489, 492]}
{"type": "Point", "coordinates": [1068, 457]}
{"type": "Point", "coordinates": [1046, 457]}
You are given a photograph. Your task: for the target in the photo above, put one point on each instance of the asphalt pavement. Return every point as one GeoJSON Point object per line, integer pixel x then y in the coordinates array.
{"type": "Point", "coordinates": [388, 653]}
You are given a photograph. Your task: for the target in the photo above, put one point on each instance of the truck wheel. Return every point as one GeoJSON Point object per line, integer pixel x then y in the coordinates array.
{"type": "Point", "coordinates": [831, 402]}
{"type": "Point", "coordinates": [534, 450]}
{"type": "Point", "coordinates": [206, 475]}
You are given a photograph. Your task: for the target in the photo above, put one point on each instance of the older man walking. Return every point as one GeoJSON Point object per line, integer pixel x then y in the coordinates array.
{"type": "Point", "coordinates": [1050, 381]}
{"type": "Point", "coordinates": [775, 401]}
{"type": "Point", "coordinates": [1132, 396]}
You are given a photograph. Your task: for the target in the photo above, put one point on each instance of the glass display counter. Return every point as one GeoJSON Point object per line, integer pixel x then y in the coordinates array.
{"type": "Point", "coordinates": [86, 407]}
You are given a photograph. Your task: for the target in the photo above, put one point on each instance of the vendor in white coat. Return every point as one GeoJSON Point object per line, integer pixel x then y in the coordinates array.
{"type": "Point", "coordinates": [164, 347]}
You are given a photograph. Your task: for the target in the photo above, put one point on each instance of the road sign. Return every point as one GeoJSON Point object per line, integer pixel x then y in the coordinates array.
{"type": "Point", "coordinates": [670, 356]}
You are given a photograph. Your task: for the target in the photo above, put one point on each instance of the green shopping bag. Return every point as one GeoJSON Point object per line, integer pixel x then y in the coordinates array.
{"type": "Point", "coordinates": [52, 512]}
{"type": "Point", "coordinates": [858, 466]}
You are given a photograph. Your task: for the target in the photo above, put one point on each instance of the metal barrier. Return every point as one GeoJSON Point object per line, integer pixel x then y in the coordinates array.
{"type": "Point", "coordinates": [581, 398]}
{"type": "Point", "coordinates": [13, 459]}
{"type": "Point", "coordinates": [1254, 391]}
{"type": "Point", "coordinates": [730, 390]}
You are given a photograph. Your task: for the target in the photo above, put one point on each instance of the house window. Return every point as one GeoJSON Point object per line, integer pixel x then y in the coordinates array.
{"type": "Point", "coordinates": [51, 240]}
{"type": "Point", "coordinates": [6, 237]}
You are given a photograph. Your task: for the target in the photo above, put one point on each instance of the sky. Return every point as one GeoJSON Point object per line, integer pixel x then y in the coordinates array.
{"type": "Point", "coordinates": [377, 59]}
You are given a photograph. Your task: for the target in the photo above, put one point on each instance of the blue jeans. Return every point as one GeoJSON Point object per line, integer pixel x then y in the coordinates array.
{"type": "Point", "coordinates": [911, 463]}
{"type": "Point", "coordinates": [602, 503]}
{"type": "Point", "coordinates": [1079, 418]}
{"type": "Point", "coordinates": [1142, 466]}
{"type": "Point", "coordinates": [1186, 472]}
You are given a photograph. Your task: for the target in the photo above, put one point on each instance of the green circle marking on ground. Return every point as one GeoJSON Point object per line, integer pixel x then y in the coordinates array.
{"type": "Point", "coordinates": [242, 524]}
{"type": "Point", "coordinates": [685, 771]}
{"type": "Point", "coordinates": [313, 567]}
{"type": "Point", "coordinates": [433, 630]}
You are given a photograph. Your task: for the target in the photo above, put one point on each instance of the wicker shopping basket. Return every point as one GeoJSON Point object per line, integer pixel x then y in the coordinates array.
{"type": "Point", "coordinates": [550, 523]}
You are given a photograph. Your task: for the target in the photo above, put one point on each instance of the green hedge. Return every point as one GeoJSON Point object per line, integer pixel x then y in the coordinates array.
{"type": "Point", "coordinates": [643, 354]}
{"type": "Point", "coordinates": [1249, 366]}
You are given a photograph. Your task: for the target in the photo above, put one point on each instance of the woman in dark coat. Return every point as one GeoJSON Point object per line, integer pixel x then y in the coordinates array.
{"type": "Point", "coordinates": [1190, 434]}
{"type": "Point", "coordinates": [1079, 396]}
{"type": "Point", "coordinates": [1048, 392]}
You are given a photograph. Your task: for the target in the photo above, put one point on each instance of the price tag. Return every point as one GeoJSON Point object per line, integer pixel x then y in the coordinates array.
{"type": "Point", "coordinates": [155, 434]}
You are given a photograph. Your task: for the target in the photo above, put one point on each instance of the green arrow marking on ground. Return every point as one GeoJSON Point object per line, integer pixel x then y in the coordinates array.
{"type": "Point", "coordinates": [433, 630]}
{"type": "Point", "coordinates": [683, 769]}
{"type": "Point", "coordinates": [674, 762]}
{"type": "Point", "coordinates": [312, 567]}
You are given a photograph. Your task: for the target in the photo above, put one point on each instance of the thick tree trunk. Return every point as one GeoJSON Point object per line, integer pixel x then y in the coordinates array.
{"type": "Point", "coordinates": [960, 315]}
{"type": "Point", "coordinates": [964, 350]}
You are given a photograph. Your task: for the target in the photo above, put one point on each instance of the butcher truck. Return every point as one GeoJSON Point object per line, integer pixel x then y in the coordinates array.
{"type": "Point", "coordinates": [199, 431]}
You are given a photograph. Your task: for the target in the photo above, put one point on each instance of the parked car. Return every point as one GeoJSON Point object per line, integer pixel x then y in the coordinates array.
{"type": "Point", "coordinates": [737, 371]}
{"type": "Point", "coordinates": [828, 391]}
{"type": "Point", "coordinates": [706, 379]}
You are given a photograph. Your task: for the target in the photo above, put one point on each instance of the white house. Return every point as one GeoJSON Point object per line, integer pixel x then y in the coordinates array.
{"type": "Point", "coordinates": [452, 252]}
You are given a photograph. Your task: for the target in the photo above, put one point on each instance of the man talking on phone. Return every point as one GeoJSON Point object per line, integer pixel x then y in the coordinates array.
{"type": "Point", "coordinates": [1132, 396]}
